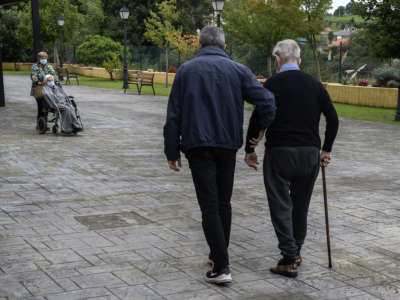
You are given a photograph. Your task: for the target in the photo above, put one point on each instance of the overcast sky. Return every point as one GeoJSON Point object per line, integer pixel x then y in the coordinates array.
{"type": "Point", "coordinates": [337, 3]}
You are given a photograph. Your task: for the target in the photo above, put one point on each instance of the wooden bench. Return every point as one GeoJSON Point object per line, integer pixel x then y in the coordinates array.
{"type": "Point", "coordinates": [140, 79]}
{"type": "Point", "coordinates": [134, 78]}
{"type": "Point", "coordinates": [147, 79]}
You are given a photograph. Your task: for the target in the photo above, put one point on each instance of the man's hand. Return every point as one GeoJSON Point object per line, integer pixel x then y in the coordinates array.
{"type": "Point", "coordinates": [254, 141]}
{"type": "Point", "coordinates": [325, 158]}
{"type": "Point", "coordinates": [175, 165]}
{"type": "Point", "coordinates": [251, 160]}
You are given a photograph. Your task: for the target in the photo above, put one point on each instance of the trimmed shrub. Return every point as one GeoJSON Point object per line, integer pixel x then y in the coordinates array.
{"type": "Point", "coordinates": [387, 77]}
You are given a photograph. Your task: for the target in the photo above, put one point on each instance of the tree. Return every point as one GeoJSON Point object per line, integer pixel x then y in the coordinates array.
{"type": "Point", "coordinates": [161, 25]}
{"type": "Point", "coordinates": [194, 14]}
{"type": "Point", "coordinates": [314, 11]}
{"type": "Point", "coordinates": [139, 11]}
{"type": "Point", "coordinates": [97, 49]}
{"type": "Point", "coordinates": [261, 23]}
{"type": "Point", "coordinates": [340, 11]}
{"type": "Point", "coordinates": [49, 11]}
{"type": "Point", "coordinates": [187, 44]}
{"type": "Point", "coordinates": [9, 44]}
{"type": "Point", "coordinates": [382, 26]}
{"type": "Point", "coordinates": [349, 8]}
{"type": "Point", "coordinates": [112, 63]}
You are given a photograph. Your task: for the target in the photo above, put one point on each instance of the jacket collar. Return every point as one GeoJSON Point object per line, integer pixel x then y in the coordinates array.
{"type": "Point", "coordinates": [212, 50]}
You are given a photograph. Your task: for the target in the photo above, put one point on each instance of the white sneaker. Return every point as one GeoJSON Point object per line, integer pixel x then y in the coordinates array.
{"type": "Point", "coordinates": [219, 278]}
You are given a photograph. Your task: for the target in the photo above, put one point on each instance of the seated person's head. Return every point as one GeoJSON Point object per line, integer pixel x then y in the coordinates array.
{"type": "Point", "coordinates": [49, 80]}
{"type": "Point", "coordinates": [42, 57]}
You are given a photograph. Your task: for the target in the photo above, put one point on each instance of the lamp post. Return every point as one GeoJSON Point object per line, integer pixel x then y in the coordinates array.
{"type": "Point", "coordinates": [124, 13]}
{"type": "Point", "coordinates": [218, 6]}
{"type": "Point", "coordinates": [60, 22]}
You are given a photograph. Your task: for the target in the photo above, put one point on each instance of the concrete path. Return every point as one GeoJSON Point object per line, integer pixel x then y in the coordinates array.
{"type": "Point", "coordinates": [100, 216]}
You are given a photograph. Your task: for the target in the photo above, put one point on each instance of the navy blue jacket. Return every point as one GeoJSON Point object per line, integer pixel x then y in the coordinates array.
{"type": "Point", "coordinates": [205, 107]}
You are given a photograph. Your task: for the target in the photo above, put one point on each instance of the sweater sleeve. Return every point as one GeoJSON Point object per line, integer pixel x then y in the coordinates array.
{"type": "Point", "coordinates": [172, 127]}
{"type": "Point", "coordinates": [332, 120]}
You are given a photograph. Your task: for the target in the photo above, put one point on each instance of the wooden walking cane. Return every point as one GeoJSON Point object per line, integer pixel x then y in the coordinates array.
{"type": "Point", "coordinates": [328, 237]}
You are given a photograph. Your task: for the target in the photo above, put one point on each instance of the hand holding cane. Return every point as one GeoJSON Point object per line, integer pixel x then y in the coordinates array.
{"type": "Point", "coordinates": [328, 237]}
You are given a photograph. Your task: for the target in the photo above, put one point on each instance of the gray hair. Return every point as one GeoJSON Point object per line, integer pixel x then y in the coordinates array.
{"type": "Point", "coordinates": [212, 36]}
{"type": "Point", "coordinates": [47, 77]}
{"type": "Point", "coordinates": [287, 50]}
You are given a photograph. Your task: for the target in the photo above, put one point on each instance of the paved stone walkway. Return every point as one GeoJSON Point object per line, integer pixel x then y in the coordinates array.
{"type": "Point", "coordinates": [100, 216]}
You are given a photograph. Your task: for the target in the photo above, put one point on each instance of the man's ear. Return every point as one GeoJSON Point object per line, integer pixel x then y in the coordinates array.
{"type": "Point", "coordinates": [299, 61]}
{"type": "Point", "coordinates": [225, 47]}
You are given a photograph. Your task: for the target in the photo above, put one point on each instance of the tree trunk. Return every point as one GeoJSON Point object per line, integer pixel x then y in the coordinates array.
{"type": "Point", "coordinates": [269, 65]}
{"type": "Point", "coordinates": [315, 55]}
{"type": "Point", "coordinates": [166, 65]}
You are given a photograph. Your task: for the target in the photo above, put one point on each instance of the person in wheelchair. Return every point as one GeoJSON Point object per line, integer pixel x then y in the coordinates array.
{"type": "Point", "coordinates": [62, 105]}
{"type": "Point", "coordinates": [38, 72]}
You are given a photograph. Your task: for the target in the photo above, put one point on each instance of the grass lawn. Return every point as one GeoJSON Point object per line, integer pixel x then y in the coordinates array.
{"type": "Point", "coordinates": [160, 89]}
{"type": "Point", "coordinates": [356, 18]}
{"type": "Point", "coordinates": [374, 114]}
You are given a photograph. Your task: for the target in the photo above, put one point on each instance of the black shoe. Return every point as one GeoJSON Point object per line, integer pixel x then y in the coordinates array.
{"type": "Point", "coordinates": [221, 277]}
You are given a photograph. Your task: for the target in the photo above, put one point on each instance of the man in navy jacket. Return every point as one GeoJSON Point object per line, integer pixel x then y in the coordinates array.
{"type": "Point", "coordinates": [205, 121]}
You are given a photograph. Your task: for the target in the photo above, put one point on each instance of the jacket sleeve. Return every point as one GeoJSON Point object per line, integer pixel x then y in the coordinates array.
{"type": "Point", "coordinates": [264, 111]}
{"type": "Point", "coordinates": [172, 127]}
{"type": "Point", "coordinates": [332, 120]}
{"type": "Point", "coordinates": [34, 76]}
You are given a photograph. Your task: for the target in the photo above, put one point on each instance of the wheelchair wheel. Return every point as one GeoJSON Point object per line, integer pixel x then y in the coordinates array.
{"type": "Point", "coordinates": [42, 125]}
{"type": "Point", "coordinates": [55, 129]}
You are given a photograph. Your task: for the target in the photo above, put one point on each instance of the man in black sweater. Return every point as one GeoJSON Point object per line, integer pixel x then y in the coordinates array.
{"type": "Point", "coordinates": [292, 155]}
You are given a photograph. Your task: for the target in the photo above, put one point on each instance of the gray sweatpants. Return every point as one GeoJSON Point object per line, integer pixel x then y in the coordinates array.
{"type": "Point", "coordinates": [289, 177]}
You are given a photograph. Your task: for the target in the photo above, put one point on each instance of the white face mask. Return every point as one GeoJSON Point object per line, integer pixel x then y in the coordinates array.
{"type": "Point", "coordinates": [50, 83]}
{"type": "Point", "coordinates": [43, 61]}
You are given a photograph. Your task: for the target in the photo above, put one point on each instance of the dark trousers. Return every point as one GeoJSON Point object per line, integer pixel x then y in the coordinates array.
{"type": "Point", "coordinates": [289, 177]}
{"type": "Point", "coordinates": [42, 108]}
{"type": "Point", "coordinates": [213, 174]}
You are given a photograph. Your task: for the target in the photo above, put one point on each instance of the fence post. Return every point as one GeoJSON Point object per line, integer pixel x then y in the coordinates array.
{"type": "Point", "coordinates": [397, 117]}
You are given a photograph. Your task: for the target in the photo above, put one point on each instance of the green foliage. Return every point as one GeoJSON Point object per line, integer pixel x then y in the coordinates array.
{"type": "Point", "coordinates": [387, 77]}
{"type": "Point", "coordinates": [162, 23]}
{"type": "Point", "coordinates": [340, 11]}
{"type": "Point", "coordinates": [112, 63]}
{"type": "Point", "coordinates": [97, 49]}
{"type": "Point", "coordinates": [382, 30]}
{"type": "Point", "coordinates": [195, 14]}
{"type": "Point", "coordinates": [49, 12]}
{"type": "Point", "coordinates": [359, 53]}
{"type": "Point", "coordinates": [260, 23]}
{"type": "Point", "coordinates": [112, 24]}
{"type": "Point", "coordinates": [10, 45]}
{"type": "Point", "coordinates": [314, 12]}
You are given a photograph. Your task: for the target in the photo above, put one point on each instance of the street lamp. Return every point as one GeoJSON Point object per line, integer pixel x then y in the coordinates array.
{"type": "Point", "coordinates": [124, 13]}
{"type": "Point", "coordinates": [60, 22]}
{"type": "Point", "coordinates": [218, 6]}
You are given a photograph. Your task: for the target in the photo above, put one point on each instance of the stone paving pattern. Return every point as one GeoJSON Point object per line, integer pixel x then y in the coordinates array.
{"type": "Point", "coordinates": [100, 216]}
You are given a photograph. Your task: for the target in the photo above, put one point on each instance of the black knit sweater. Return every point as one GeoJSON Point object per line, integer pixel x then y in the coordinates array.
{"type": "Point", "coordinates": [300, 100]}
